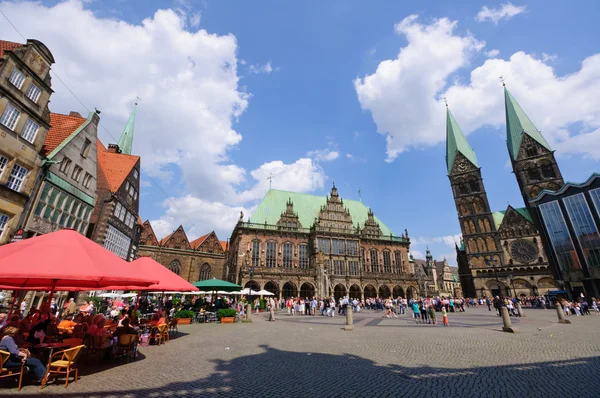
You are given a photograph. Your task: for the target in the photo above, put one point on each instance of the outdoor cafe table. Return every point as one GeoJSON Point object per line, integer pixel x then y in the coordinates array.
{"type": "Point", "coordinates": [50, 347]}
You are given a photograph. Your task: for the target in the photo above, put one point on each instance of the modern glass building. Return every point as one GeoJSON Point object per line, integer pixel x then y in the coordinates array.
{"type": "Point", "coordinates": [570, 218]}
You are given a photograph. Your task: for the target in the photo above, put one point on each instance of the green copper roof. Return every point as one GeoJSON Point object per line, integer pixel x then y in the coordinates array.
{"type": "Point", "coordinates": [68, 187]}
{"type": "Point", "coordinates": [517, 123]}
{"type": "Point", "coordinates": [126, 140]}
{"type": "Point", "coordinates": [499, 215]}
{"type": "Point", "coordinates": [307, 207]}
{"type": "Point", "coordinates": [456, 142]}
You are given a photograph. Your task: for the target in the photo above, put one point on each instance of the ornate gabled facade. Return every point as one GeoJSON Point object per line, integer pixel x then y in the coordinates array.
{"type": "Point", "coordinates": [200, 259]}
{"type": "Point", "coordinates": [510, 240]}
{"type": "Point", "coordinates": [299, 245]}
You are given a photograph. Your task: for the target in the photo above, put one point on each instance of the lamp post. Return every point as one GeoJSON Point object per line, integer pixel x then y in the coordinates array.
{"type": "Point", "coordinates": [512, 282]}
{"type": "Point", "coordinates": [493, 265]}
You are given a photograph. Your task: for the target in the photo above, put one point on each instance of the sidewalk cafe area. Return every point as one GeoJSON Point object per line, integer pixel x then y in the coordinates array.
{"type": "Point", "coordinates": [69, 307]}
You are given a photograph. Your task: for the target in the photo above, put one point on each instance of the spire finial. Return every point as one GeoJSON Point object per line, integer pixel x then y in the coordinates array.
{"type": "Point", "coordinates": [137, 100]}
{"type": "Point", "coordinates": [503, 81]}
{"type": "Point", "coordinates": [446, 101]}
{"type": "Point", "coordinates": [270, 180]}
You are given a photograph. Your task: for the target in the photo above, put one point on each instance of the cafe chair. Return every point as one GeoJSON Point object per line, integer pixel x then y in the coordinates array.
{"type": "Point", "coordinates": [127, 344]}
{"type": "Point", "coordinates": [173, 325]}
{"type": "Point", "coordinates": [73, 341]}
{"type": "Point", "coordinates": [65, 365]}
{"type": "Point", "coordinates": [158, 333]}
{"type": "Point", "coordinates": [11, 371]}
{"type": "Point", "coordinates": [96, 343]}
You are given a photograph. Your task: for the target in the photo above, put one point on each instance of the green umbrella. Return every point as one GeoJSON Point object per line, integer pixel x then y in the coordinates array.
{"type": "Point", "coordinates": [217, 284]}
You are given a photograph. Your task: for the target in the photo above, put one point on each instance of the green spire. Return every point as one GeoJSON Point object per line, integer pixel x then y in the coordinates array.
{"type": "Point", "coordinates": [456, 142]}
{"type": "Point", "coordinates": [126, 140]}
{"type": "Point", "coordinates": [517, 124]}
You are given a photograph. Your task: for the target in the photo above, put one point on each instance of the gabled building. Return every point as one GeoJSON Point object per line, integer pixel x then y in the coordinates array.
{"type": "Point", "coordinates": [509, 240]}
{"type": "Point", "coordinates": [25, 90]}
{"type": "Point", "coordinates": [66, 193]}
{"type": "Point", "coordinates": [115, 216]}
{"type": "Point", "coordinates": [198, 260]}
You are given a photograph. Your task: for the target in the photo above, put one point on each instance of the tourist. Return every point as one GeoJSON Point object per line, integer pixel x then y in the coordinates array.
{"type": "Point", "coordinates": [17, 356]}
{"type": "Point", "coordinates": [444, 316]}
{"type": "Point", "coordinates": [23, 308]}
{"type": "Point", "coordinates": [70, 310]}
{"type": "Point", "coordinates": [313, 306]}
{"type": "Point", "coordinates": [432, 316]}
{"type": "Point", "coordinates": [3, 320]}
{"type": "Point", "coordinates": [124, 328]}
{"type": "Point", "coordinates": [423, 309]}
{"type": "Point", "coordinates": [272, 309]}
{"type": "Point", "coordinates": [416, 311]}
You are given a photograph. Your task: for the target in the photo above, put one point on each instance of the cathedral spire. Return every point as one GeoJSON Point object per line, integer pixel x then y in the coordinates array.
{"type": "Point", "coordinates": [517, 125]}
{"type": "Point", "coordinates": [456, 142]}
{"type": "Point", "coordinates": [126, 140]}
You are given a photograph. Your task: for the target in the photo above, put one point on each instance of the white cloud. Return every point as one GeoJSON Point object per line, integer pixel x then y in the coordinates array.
{"type": "Point", "coordinates": [402, 93]}
{"type": "Point", "coordinates": [562, 107]}
{"type": "Point", "coordinates": [267, 68]}
{"type": "Point", "coordinates": [492, 53]}
{"type": "Point", "coordinates": [324, 155]}
{"type": "Point", "coordinates": [506, 11]}
{"type": "Point", "coordinates": [448, 240]}
{"type": "Point", "coordinates": [417, 254]}
{"type": "Point", "coordinates": [549, 58]}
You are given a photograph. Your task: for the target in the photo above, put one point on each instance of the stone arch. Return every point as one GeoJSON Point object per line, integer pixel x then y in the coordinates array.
{"type": "Point", "coordinates": [355, 292]}
{"type": "Point", "coordinates": [481, 245]}
{"type": "Point", "coordinates": [412, 293]}
{"type": "Point", "coordinates": [478, 205]}
{"type": "Point", "coordinates": [272, 287]}
{"type": "Point", "coordinates": [472, 246]}
{"type": "Point", "coordinates": [254, 285]}
{"type": "Point", "coordinates": [384, 292]}
{"type": "Point", "coordinates": [488, 227]}
{"type": "Point", "coordinates": [204, 272]}
{"type": "Point", "coordinates": [481, 225]}
{"type": "Point", "coordinates": [307, 290]}
{"type": "Point", "coordinates": [397, 291]}
{"type": "Point", "coordinates": [370, 291]}
{"type": "Point", "coordinates": [491, 245]}
{"type": "Point", "coordinates": [339, 291]}
{"type": "Point", "coordinates": [175, 267]}
{"type": "Point", "coordinates": [546, 283]}
{"type": "Point", "coordinates": [472, 227]}
{"type": "Point", "coordinates": [289, 290]}
{"type": "Point", "coordinates": [467, 227]}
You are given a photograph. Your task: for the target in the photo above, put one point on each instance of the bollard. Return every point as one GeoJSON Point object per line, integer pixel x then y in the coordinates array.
{"type": "Point", "coordinates": [349, 320]}
{"type": "Point", "coordinates": [561, 314]}
{"type": "Point", "coordinates": [248, 312]}
{"type": "Point", "coordinates": [520, 310]}
{"type": "Point", "coordinates": [508, 328]}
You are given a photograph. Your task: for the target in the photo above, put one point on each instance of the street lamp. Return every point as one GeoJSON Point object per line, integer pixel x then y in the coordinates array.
{"type": "Point", "coordinates": [493, 265]}
{"type": "Point", "coordinates": [512, 282]}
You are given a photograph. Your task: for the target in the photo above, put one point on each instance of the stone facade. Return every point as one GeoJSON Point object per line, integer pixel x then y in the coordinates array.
{"type": "Point", "coordinates": [330, 253]}
{"type": "Point", "coordinates": [201, 259]}
{"type": "Point", "coordinates": [25, 90]}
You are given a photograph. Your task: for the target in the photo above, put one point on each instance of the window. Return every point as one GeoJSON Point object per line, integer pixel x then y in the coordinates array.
{"type": "Point", "coordinates": [30, 130]}
{"type": "Point", "coordinates": [548, 171]}
{"type": "Point", "coordinates": [16, 177]}
{"type": "Point", "coordinates": [33, 93]}
{"type": "Point", "coordinates": [117, 242]}
{"type": "Point", "coordinates": [55, 205]}
{"type": "Point", "coordinates": [559, 236]}
{"type": "Point", "coordinates": [324, 246]}
{"type": "Point", "coordinates": [533, 174]}
{"type": "Point", "coordinates": [338, 267]}
{"type": "Point", "coordinates": [353, 268]}
{"type": "Point", "coordinates": [337, 246]}
{"type": "Point", "coordinates": [3, 163]}
{"type": "Point", "coordinates": [65, 165]}
{"type": "Point", "coordinates": [10, 117]}
{"type": "Point", "coordinates": [255, 253]}
{"type": "Point", "coordinates": [87, 179]}
{"type": "Point", "coordinates": [131, 191]}
{"type": "Point", "coordinates": [205, 272]}
{"type": "Point", "coordinates": [127, 217]}
{"type": "Point", "coordinates": [387, 262]}
{"type": "Point", "coordinates": [76, 173]}
{"type": "Point", "coordinates": [127, 185]}
{"type": "Point", "coordinates": [17, 78]}
{"type": "Point", "coordinates": [175, 267]}
{"type": "Point", "coordinates": [374, 261]}
{"type": "Point", "coordinates": [271, 254]}
{"type": "Point", "coordinates": [131, 221]}
{"type": "Point", "coordinates": [118, 209]}
{"type": "Point", "coordinates": [122, 213]}
{"type": "Point", "coordinates": [585, 228]}
{"type": "Point", "coordinates": [287, 255]}
{"type": "Point", "coordinates": [135, 174]}
{"type": "Point", "coordinates": [352, 248]}
{"type": "Point", "coordinates": [86, 148]}
{"type": "Point", "coordinates": [398, 261]}
{"type": "Point", "coordinates": [303, 256]}
{"type": "Point", "coordinates": [531, 151]}
{"type": "Point", "coordinates": [363, 260]}
{"type": "Point", "coordinates": [3, 222]}
{"type": "Point", "coordinates": [473, 186]}
{"type": "Point", "coordinates": [135, 196]}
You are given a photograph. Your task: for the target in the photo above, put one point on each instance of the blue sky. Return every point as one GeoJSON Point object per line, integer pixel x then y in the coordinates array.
{"type": "Point", "coordinates": [312, 92]}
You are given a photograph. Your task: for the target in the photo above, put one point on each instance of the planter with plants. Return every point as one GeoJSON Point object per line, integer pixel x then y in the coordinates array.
{"type": "Point", "coordinates": [227, 315]}
{"type": "Point", "coordinates": [184, 317]}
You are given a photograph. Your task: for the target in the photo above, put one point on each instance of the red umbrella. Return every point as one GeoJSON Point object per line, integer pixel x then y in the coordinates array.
{"type": "Point", "coordinates": [168, 280]}
{"type": "Point", "coordinates": [65, 260]}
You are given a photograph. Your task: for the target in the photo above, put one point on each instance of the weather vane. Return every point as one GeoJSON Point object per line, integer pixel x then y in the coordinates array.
{"type": "Point", "coordinates": [502, 80]}
{"type": "Point", "coordinates": [137, 99]}
{"type": "Point", "coordinates": [446, 101]}
{"type": "Point", "coordinates": [270, 180]}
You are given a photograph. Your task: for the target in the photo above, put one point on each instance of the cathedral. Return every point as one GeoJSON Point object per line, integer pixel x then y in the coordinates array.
{"type": "Point", "coordinates": [507, 243]}
{"type": "Point", "coordinates": [300, 245]}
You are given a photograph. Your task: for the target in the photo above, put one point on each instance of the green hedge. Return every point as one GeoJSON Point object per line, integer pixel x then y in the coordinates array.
{"type": "Point", "coordinates": [184, 314]}
{"type": "Point", "coordinates": [226, 313]}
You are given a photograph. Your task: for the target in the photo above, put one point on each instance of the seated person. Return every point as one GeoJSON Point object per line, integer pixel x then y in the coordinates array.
{"type": "Point", "coordinates": [97, 329]}
{"type": "Point", "coordinates": [3, 320]}
{"type": "Point", "coordinates": [17, 356]}
{"type": "Point", "coordinates": [125, 328]}
{"type": "Point", "coordinates": [80, 324]}
{"type": "Point", "coordinates": [66, 325]}
{"type": "Point", "coordinates": [38, 332]}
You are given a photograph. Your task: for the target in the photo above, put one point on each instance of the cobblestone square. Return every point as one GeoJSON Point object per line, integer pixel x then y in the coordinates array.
{"type": "Point", "coordinates": [304, 356]}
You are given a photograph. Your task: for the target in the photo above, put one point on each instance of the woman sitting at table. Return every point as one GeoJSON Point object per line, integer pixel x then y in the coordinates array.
{"type": "Point", "coordinates": [80, 324]}
{"type": "Point", "coordinates": [97, 329]}
{"type": "Point", "coordinates": [124, 328]}
{"type": "Point", "coordinates": [18, 356]}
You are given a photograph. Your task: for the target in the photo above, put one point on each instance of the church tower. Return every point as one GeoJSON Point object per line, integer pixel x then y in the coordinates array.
{"type": "Point", "coordinates": [474, 215]}
{"type": "Point", "coordinates": [532, 158]}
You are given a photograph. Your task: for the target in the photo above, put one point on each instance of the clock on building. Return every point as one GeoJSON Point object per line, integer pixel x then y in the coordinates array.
{"type": "Point", "coordinates": [523, 251]}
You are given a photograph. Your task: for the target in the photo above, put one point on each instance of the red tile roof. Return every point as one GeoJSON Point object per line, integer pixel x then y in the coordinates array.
{"type": "Point", "coordinates": [223, 245]}
{"type": "Point", "coordinates": [194, 244]}
{"type": "Point", "coordinates": [62, 127]}
{"type": "Point", "coordinates": [116, 166]}
{"type": "Point", "coordinates": [8, 46]}
{"type": "Point", "coordinates": [166, 238]}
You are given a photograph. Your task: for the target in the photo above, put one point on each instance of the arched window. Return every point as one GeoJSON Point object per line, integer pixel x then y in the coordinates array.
{"type": "Point", "coordinates": [387, 262]}
{"type": "Point", "coordinates": [398, 261]}
{"type": "Point", "coordinates": [287, 255]}
{"type": "Point", "coordinates": [374, 260]}
{"type": "Point", "coordinates": [175, 267]}
{"type": "Point", "coordinates": [271, 254]}
{"type": "Point", "coordinates": [530, 150]}
{"type": "Point", "coordinates": [473, 185]}
{"type": "Point", "coordinates": [205, 272]}
{"type": "Point", "coordinates": [533, 174]}
{"type": "Point", "coordinates": [363, 260]}
{"type": "Point", "coordinates": [548, 171]}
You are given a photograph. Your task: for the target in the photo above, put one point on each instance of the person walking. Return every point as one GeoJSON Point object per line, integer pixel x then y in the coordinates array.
{"type": "Point", "coordinates": [431, 311]}
{"type": "Point", "coordinates": [271, 309]}
{"type": "Point", "coordinates": [444, 316]}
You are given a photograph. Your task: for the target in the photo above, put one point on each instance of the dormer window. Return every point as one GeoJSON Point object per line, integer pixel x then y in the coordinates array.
{"type": "Point", "coordinates": [17, 78]}
{"type": "Point", "coordinates": [86, 148]}
{"type": "Point", "coordinates": [33, 93]}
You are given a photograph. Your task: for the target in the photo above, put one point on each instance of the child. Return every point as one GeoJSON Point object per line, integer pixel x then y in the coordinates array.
{"type": "Point", "coordinates": [416, 312]}
{"type": "Point", "coordinates": [432, 315]}
{"type": "Point", "coordinates": [445, 316]}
